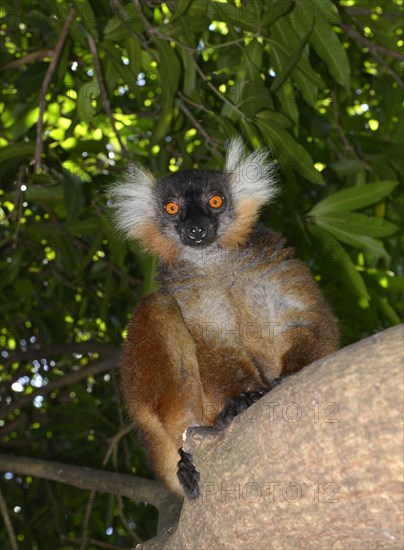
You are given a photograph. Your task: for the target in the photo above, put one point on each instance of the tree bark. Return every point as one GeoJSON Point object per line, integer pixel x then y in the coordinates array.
{"type": "Point", "coordinates": [316, 463]}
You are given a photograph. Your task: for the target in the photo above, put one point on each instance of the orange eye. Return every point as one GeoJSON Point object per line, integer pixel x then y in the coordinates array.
{"type": "Point", "coordinates": [172, 208]}
{"type": "Point", "coordinates": [216, 201]}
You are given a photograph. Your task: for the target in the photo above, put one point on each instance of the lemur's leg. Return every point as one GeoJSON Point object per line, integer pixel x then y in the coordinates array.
{"type": "Point", "coordinates": [162, 386]}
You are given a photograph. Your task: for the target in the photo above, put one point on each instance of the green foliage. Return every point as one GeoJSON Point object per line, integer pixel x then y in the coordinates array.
{"type": "Point", "coordinates": [316, 82]}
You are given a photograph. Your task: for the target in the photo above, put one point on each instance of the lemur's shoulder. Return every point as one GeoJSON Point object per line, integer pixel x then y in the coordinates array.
{"type": "Point", "coordinates": [268, 244]}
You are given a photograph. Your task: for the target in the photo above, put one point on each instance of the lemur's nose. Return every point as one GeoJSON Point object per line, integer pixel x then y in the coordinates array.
{"type": "Point", "coordinates": [196, 233]}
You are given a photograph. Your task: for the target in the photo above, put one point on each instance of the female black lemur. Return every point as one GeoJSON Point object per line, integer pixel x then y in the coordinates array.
{"type": "Point", "coordinates": [234, 312]}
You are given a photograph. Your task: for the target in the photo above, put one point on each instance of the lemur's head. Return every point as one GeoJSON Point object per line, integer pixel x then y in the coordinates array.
{"type": "Point", "coordinates": [194, 209]}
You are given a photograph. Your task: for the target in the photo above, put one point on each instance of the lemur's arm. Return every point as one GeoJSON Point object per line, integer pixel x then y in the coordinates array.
{"type": "Point", "coordinates": [307, 330]}
{"type": "Point", "coordinates": [162, 386]}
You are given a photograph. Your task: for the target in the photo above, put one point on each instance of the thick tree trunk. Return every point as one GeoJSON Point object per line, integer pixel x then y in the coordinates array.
{"type": "Point", "coordinates": [316, 463]}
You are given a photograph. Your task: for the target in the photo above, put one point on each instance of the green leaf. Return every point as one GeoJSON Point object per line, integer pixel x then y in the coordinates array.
{"type": "Point", "coordinates": [113, 57]}
{"type": "Point", "coordinates": [44, 194]}
{"type": "Point", "coordinates": [288, 151]}
{"type": "Point", "coordinates": [73, 194]}
{"type": "Point", "coordinates": [246, 17]}
{"type": "Point", "coordinates": [291, 64]}
{"type": "Point", "coordinates": [345, 166]}
{"type": "Point", "coordinates": [356, 197]}
{"type": "Point", "coordinates": [370, 245]}
{"type": "Point", "coordinates": [13, 153]}
{"type": "Point", "coordinates": [169, 68]}
{"type": "Point", "coordinates": [329, 10]}
{"type": "Point", "coordinates": [288, 101]}
{"type": "Point", "coordinates": [86, 14]}
{"type": "Point", "coordinates": [89, 226]}
{"type": "Point", "coordinates": [360, 224]}
{"type": "Point", "coordinates": [189, 73]}
{"type": "Point", "coordinates": [180, 9]}
{"type": "Point", "coordinates": [325, 41]}
{"type": "Point", "coordinates": [331, 248]}
{"type": "Point", "coordinates": [118, 28]}
{"type": "Point", "coordinates": [163, 122]}
{"type": "Point", "coordinates": [387, 310]}
{"type": "Point", "coordinates": [277, 118]}
{"type": "Point", "coordinates": [134, 50]}
{"type": "Point", "coordinates": [85, 108]}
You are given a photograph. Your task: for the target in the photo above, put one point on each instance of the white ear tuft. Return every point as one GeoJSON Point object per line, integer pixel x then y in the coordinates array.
{"type": "Point", "coordinates": [251, 175]}
{"type": "Point", "coordinates": [132, 199]}
{"type": "Point", "coordinates": [235, 152]}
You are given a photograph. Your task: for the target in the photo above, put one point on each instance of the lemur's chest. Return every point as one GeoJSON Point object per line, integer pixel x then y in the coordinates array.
{"type": "Point", "coordinates": [226, 312]}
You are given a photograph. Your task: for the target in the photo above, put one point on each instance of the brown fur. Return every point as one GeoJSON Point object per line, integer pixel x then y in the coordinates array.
{"type": "Point", "coordinates": [158, 244]}
{"type": "Point", "coordinates": [217, 330]}
{"type": "Point", "coordinates": [246, 215]}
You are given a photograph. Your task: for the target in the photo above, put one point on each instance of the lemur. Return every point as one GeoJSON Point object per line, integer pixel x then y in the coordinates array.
{"type": "Point", "coordinates": [235, 311]}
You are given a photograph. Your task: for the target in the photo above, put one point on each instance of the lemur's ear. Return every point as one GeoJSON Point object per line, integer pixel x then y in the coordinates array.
{"type": "Point", "coordinates": [133, 200]}
{"type": "Point", "coordinates": [250, 175]}
{"type": "Point", "coordinates": [252, 184]}
{"type": "Point", "coordinates": [135, 208]}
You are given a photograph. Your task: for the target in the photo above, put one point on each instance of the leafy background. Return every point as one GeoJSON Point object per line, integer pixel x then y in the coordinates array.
{"type": "Point", "coordinates": [317, 82]}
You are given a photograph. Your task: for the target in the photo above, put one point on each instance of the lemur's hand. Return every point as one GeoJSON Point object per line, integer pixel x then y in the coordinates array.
{"type": "Point", "coordinates": [188, 475]}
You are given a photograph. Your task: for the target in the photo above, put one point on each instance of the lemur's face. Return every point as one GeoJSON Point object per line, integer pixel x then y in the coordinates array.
{"type": "Point", "coordinates": [192, 206]}
{"type": "Point", "coordinates": [194, 209]}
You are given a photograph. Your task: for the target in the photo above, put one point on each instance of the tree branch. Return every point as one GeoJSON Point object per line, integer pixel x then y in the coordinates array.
{"type": "Point", "coordinates": [104, 95]}
{"type": "Point", "coordinates": [36, 352]}
{"type": "Point", "coordinates": [316, 463]}
{"type": "Point", "coordinates": [124, 485]}
{"type": "Point", "coordinates": [29, 58]}
{"type": "Point", "coordinates": [95, 368]}
{"type": "Point", "coordinates": [7, 523]}
{"type": "Point", "coordinates": [353, 33]}
{"type": "Point", "coordinates": [210, 143]}
{"type": "Point", "coordinates": [131, 486]}
{"type": "Point", "coordinates": [45, 86]}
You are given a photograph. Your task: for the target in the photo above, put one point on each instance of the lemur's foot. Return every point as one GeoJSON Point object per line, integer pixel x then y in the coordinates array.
{"type": "Point", "coordinates": [236, 405]}
{"type": "Point", "coordinates": [188, 475]}
{"type": "Point", "coordinates": [276, 381]}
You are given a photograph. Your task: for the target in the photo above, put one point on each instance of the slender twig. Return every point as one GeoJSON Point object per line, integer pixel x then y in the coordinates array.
{"type": "Point", "coordinates": [348, 146]}
{"type": "Point", "coordinates": [113, 443]}
{"type": "Point", "coordinates": [124, 16]}
{"type": "Point", "coordinates": [55, 506]}
{"type": "Point", "coordinates": [81, 244]}
{"type": "Point", "coordinates": [363, 12]}
{"type": "Point", "coordinates": [215, 91]}
{"type": "Point", "coordinates": [131, 532]}
{"type": "Point", "coordinates": [95, 368]}
{"type": "Point", "coordinates": [104, 95]}
{"type": "Point", "coordinates": [232, 42]}
{"type": "Point", "coordinates": [7, 523]}
{"type": "Point", "coordinates": [45, 85]}
{"type": "Point", "coordinates": [86, 520]}
{"type": "Point", "coordinates": [353, 33]}
{"type": "Point", "coordinates": [36, 352]}
{"type": "Point", "coordinates": [18, 204]}
{"type": "Point", "coordinates": [210, 143]}
{"type": "Point", "coordinates": [387, 68]}
{"type": "Point", "coordinates": [154, 30]}
{"type": "Point", "coordinates": [196, 104]}
{"type": "Point", "coordinates": [29, 58]}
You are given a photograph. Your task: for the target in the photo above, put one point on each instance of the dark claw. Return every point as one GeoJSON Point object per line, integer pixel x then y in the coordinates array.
{"type": "Point", "coordinates": [236, 405]}
{"type": "Point", "coordinates": [276, 381]}
{"type": "Point", "coordinates": [188, 475]}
